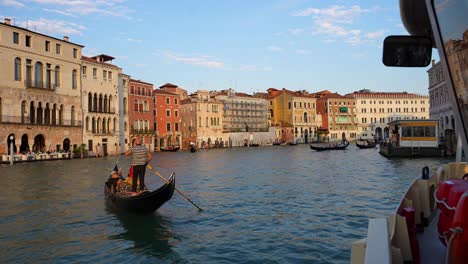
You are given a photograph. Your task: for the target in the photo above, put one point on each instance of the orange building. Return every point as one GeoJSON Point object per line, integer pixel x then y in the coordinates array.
{"type": "Point", "coordinates": [167, 116]}
{"type": "Point", "coordinates": [140, 114]}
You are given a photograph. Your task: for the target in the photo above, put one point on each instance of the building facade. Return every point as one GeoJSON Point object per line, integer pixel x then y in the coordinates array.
{"type": "Point", "coordinates": [39, 91]}
{"type": "Point", "coordinates": [338, 115]}
{"type": "Point", "coordinates": [141, 112]}
{"type": "Point", "coordinates": [124, 133]}
{"type": "Point", "coordinates": [374, 110]}
{"type": "Point", "coordinates": [167, 119]}
{"type": "Point", "coordinates": [202, 118]}
{"type": "Point", "coordinates": [100, 81]}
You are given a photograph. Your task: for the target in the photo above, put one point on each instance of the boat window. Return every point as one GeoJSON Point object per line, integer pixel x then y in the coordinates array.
{"type": "Point", "coordinates": [453, 24]}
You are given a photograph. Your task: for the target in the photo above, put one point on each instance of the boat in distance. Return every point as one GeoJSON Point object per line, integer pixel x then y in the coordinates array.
{"type": "Point", "coordinates": [365, 144]}
{"type": "Point", "coordinates": [329, 146]}
{"type": "Point", "coordinates": [145, 202]}
{"type": "Point", "coordinates": [170, 149]}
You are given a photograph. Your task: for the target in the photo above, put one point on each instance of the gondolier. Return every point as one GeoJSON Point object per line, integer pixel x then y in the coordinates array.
{"type": "Point", "coordinates": [141, 156]}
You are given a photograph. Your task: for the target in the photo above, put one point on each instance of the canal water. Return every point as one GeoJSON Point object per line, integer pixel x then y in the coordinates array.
{"type": "Point", "coordinates": [277, 204]}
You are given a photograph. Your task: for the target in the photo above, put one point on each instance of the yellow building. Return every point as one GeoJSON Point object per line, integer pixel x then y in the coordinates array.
{"type": "Point", "coordinates": [100, 105]}
{"type": "Point", "coordinates": [39, 91]}
{"type": "Point", "coordinates": [202, 120]}
{"type": "Point", "coordinates": [295, 114]}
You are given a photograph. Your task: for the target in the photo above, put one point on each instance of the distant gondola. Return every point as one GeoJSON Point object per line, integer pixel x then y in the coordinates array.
{"type": "Point", "coordinates": [144, 202]}
{"type": "Point", "coordinates": [254, 145]}
{"type": "Point", "coordinates": [366, 144]}
{"type": "Point", "coordinates": [329, 146]}
{"type": "Point", "coordinates": [170, 149]}
{"type": "Point", "coordinates": [276, 143]}
{"type": "Point", "coordinates": [292, 143]}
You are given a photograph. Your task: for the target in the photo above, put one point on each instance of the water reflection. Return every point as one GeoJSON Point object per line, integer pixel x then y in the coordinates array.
{"type": "Point", "coordinates": [149, 235]}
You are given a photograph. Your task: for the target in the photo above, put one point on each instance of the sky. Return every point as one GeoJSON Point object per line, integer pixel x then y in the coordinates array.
{"type": "Point", "coordinates": [250, 46]}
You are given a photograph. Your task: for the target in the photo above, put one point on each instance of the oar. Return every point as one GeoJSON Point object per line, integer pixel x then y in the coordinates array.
{"type": "Point", "coordinates": [164, 179]}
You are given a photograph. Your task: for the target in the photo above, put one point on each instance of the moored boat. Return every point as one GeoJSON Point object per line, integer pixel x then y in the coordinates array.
{"type": "Point", "coordinates": [144, 202]}
{"type": "Point", "coordinates": [365, 144]}
{"type": "Point", "coordinates": [170, 149]}
{"type": "Point", "coordinates": [329, 146]}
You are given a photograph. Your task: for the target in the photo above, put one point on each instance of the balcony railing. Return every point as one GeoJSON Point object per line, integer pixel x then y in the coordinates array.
{"type": "Point", "coordinates": [142, 131]}
{"type": "Point", "coordinates": [40, 85]}
{"type": "Point", "coordinates": [26, 121]}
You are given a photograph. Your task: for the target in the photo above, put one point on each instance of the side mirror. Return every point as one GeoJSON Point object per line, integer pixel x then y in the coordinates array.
{"type": "Point", "coordinates": [407, 51]}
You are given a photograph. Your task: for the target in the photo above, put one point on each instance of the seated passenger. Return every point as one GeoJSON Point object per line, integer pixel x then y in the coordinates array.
{"type": "Point", "coordinates": [114, 180]}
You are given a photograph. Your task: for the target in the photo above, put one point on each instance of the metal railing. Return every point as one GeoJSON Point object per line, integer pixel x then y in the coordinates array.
{"type": "Point", "coordinates": [27, 121]}
{"type": "Point", "coordinates": [40, 85]}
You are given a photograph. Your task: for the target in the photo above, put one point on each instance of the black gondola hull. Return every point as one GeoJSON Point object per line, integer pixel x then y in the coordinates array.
{"type": "Point", "coordinates": [143, 203]}
{"type": "Point", "coordinates": [174, 149]}
{"type": "Point", "coordinates": [323, 147]}
{"type": "Point", "coordinates": [366, 146]}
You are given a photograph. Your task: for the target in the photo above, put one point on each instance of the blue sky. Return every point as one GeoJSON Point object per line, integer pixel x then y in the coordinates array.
{"type": "Point", "coordinates": [246, 45]}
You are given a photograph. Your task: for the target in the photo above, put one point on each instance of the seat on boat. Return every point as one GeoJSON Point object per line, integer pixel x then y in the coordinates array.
{"type": "Point", "coordinates": [458, 247]}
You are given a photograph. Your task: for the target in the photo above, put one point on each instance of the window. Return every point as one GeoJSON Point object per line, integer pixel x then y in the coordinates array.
{"type": "Point", "coordinates": [17, 69]}
{"type": "Point", "coordinates": [176, 113]}
{"type": "Point", "coordinates": [83, 71]}
{"type": "Point", "coordinates": [168, 127]}
{"type": "Point", "coordinates": [74, 80]}
{"type": "Point", "coordinates": [58, 49]}
{"type": "Point", "coordinates": [109, 74]}
{"type": "Point", "coordinates": [104, 74]}
{"type": "Point", "coordinates": [16, 37]}
{"type": "Point", "coordinates": [289, 105]}
{"type": "Point", "coordinates": [47, 45]}
{"type": "Point", "coordinates": [75, 53]}
{"type": "Point", "coordinates": [57, 76]}
{"type": "Point", "coordinates": [168, 113]}
{"type": "Point", "coordinates": [175, 101]}
{"type": "Point", "coordinates": [176, 128]}
{"type": "Point", "coordinates": [94, 73]}
{"type": "Point", "coordinates": [28, 41]}
{"type": "Point", "coordinates": [167, 101]}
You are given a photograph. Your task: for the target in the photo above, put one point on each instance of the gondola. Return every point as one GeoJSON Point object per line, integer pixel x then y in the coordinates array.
{"type": "Point", "coordinates": [366, 144]}
{"type": "Point", "coordinates": [329, 146]}
{"type": "Point", "coordinates": [276, 143]}
{"type": "Point", "coordinates": [292, 143]}
{"type": "Point", "coordinates": [145, 202]}
{"type": "Point", "coordinates": [254, 145]}
{"type": "Point", "coordinates": [170, 149]}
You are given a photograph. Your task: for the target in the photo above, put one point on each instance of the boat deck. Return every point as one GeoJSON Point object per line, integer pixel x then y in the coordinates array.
{"type": "Point", "coordinates": [431, 249]}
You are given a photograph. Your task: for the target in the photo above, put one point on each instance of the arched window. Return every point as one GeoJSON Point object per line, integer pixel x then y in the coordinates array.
{"type": "Point", "coordinates": [125, 126]}
{"type": "Point", "coordinates": [135, 125]}
{"type": "Point", "coordinates": [141, 125]}
{"type": "Point", "coordinates": [39, 113]}
{"type": "Point", "coordinates": [87, 123]}
{"type": "Point", "coordinates": [104, 126]}
{"type": "Point", "coordinates": [38, 75]}
{"type": "Point", "coordinates": [199, 121]}
{"type": "Point", "coordinates": [115, 124]}
{"type": "Point", "coordinates": [90, 102]}
{"type": "Point", "coordinates": [108, 125]}
{"type": "Point", "coordinates": [17, 69]}
{"type": "Point", "coordinates": [32, 113]}
{"type": "Point", "coordinates": [135, 104]}
{"type": "Point", "coordinates": [57, 77]}
{"type": "Point", "coordinates": [93, 125]}
{"type": "Point", "coordinates": [61, 115]}
{"type": "Point", "coordinates": [100, 103]}
{"type": "Point", "coordinates": [145, 106]}
{"type": "Point", "coordinates": [74, 80]}
{"type": "Point", "coordinates": [47, 115]}
{"type": "Point", "coordinates": [305, 117]}
{"type": "Point", "coordinates": [105, 104]}
{"type": "Point", "coordinates": [23, 112]}
{"type": "Point", "coordinates": [206, 121]}
{"type": "Point", "coordinates": [98, 126]}
{"type": "Point", "coordinates": [109, 104]}
{"type": "Point", "coordinates": [95, 103]}
{"type": "Point", "coordinates": [54, 115]}
{"type": "Point", "coordinates": [72, 115]}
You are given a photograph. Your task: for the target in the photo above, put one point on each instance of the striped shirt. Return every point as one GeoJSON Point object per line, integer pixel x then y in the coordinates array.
{"type": "Point", "coordinates": [139, 155]}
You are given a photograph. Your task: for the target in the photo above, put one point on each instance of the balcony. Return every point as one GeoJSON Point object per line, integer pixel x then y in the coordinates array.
{"type": "Point", "coordinates": [142, 131]}
{"type": "Point", "coordinates": [45, 86]}
{"type": "Point", "coordinates": [26, 121]}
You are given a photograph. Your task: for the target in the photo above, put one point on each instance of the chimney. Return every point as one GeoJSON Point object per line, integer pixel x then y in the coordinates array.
{"type": "Point", "coordinates": [65, 38]}
{"type": "Point", "coordinates": [7, 21]}
{"type": "Point", "coordinates": [433, 62]}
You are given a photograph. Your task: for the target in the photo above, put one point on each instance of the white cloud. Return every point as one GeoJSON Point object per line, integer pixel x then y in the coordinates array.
{"type": "Point", "coordinates": [61, 12]}
{"type": "Point", "coordinates": [134, 40]}
{"type": "Point", "coordinates": [302, 51]}
{"type": "Point", "coordinates": [296, 31]}
{"type": "Point", "coordinates": [52, 26]}
{"type": "Point", "coordinates": [12, 3]}
{"type": "Point", "coordinates": [254, 68]}
{"type": "Point", "coordinates": [333, 24]}
{"type": "Point", "coordinates": [376, 34]}
{"type": "Point", "coordinates": [274, 48]}
{"type": "Point", "coordinates": [204, 61]}
{"type": "Point", "coordinates": [87, 7]}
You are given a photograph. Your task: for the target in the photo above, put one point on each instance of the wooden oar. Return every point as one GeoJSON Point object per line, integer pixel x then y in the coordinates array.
{"type": "Point", "coordinates": [164, 179]}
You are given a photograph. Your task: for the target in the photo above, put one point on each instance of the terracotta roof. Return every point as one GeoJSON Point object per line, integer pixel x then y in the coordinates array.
{"type": "Point", "coordinates": [138, 81]}
{"type": "Point", "coordinates": [84, 58]}
{"type": "Point", "coordinates": [385, 95]}
{"type": "Point", "coordinates": [243, 95]}
{"type": "Point", "coordinates": [169, 85]}
{"type": "Point", "coordinates": [157, 91]}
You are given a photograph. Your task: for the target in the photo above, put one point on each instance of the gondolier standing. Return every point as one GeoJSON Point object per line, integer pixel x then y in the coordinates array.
{"type": "Point", "coordinates": [141, 156]}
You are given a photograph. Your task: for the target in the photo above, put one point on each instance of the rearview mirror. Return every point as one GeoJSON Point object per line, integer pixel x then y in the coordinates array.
{"type": "Point", "coordinates": [407, 51]}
